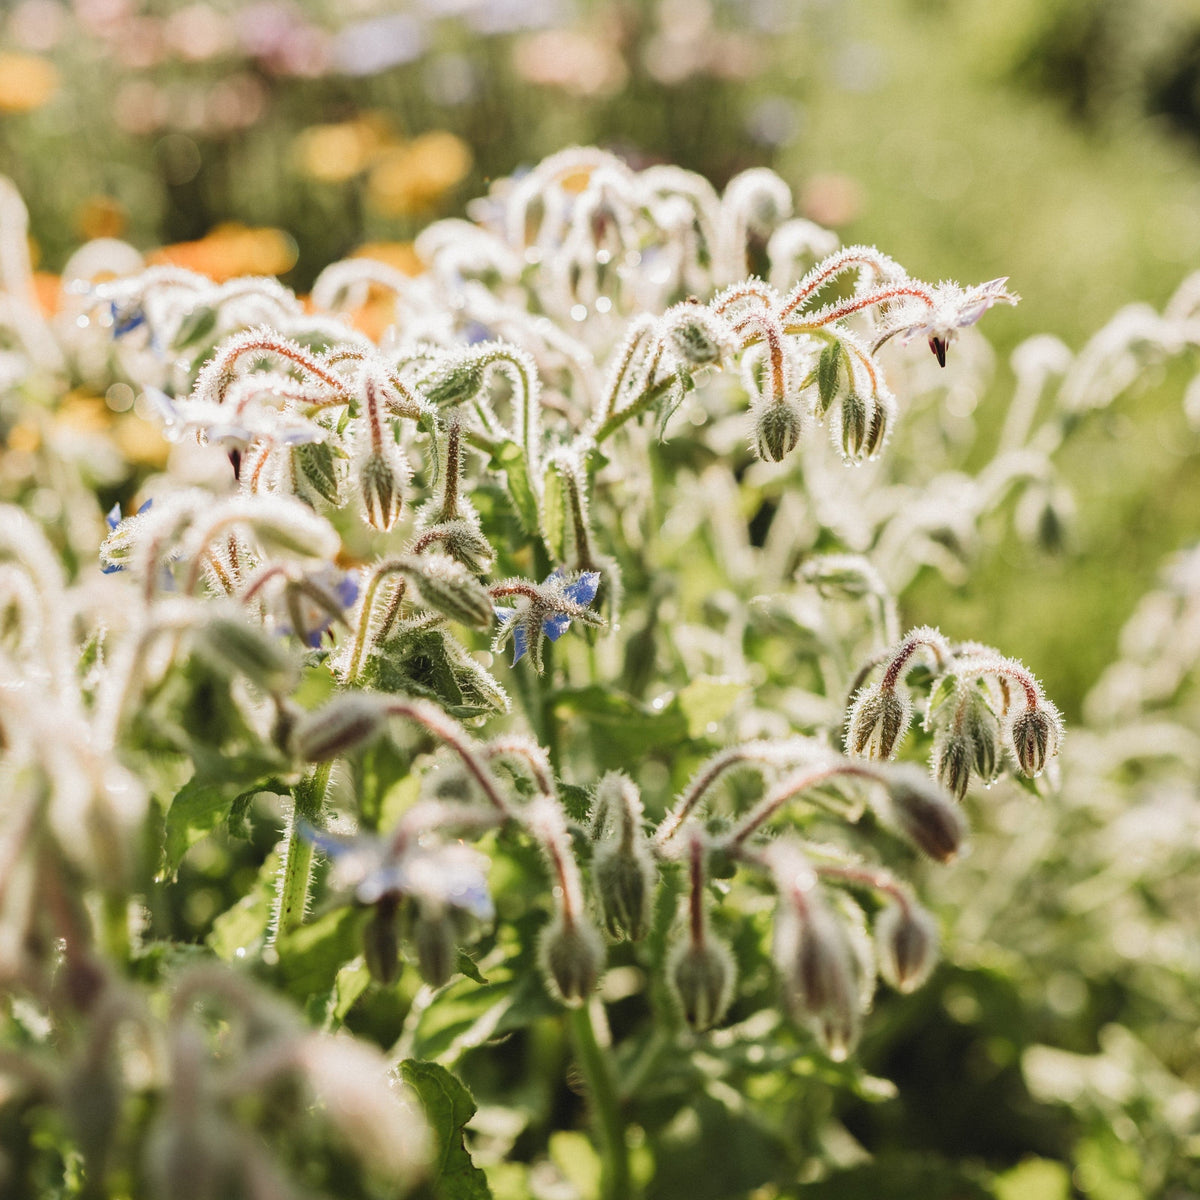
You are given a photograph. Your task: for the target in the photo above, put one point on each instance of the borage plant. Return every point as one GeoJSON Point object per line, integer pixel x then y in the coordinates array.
{"type": "Point", "coordinates": [685, 840]}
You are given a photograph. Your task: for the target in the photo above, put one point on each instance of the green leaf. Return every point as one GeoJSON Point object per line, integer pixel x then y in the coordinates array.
{"type": "Point", "coordinates": [706, 700]}
{"type": "Point", "coordinates": [510, 458]}
{"type": "Point", "coordinates": [195, 327]}
{"type": "Point", "coordinates": [620, 729]}
{"type": "Point", "coordinates": [1034, 1179]}
{"type": "Point", "coordinates": [199, 807]}
{"type": "Point", "coordinates": [311, 956]}
{"type": "Point", "coordinates": [315, 462]}
{"type": "Point", "coordinates": [828, 366]}
{"type": "Point", "coordinates": [240, 930]}
{"type": "Point", "coordinates": [448, 1107]}
{"type": "Point", "coordinates": [465, 965]}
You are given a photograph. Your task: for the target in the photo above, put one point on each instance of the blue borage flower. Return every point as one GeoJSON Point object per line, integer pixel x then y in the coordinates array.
{"type": "Point", "coordinates": [547, 611]}
{"type": "Point", "coordinates": [316, 599]}
{"type": "Point", "coordinates": [434, 873]}
{"type": "Point", "coordinates": [109, 562]}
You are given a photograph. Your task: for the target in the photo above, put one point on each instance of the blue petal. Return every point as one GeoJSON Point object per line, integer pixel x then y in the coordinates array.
{"type": "Point", "coordinates": [333, 846]}
{"type": "Point", "coordinates": [145, 507]}
{"type": "Point", "coordinates": [113, 517]}
{"type": "Point", "coordinates": [555, 627]}
{"type": "Point", "coordinates": [112, 569]}
{"type": "Point", "coordinates": [583, 590]}
{"type": "Point", "coordinates": [347, 589]}
{"type": "Point", "coordinates": [520, 644]}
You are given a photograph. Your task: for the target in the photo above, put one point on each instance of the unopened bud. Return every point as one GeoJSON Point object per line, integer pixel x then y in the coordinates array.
{"type": "Point", "coordinates": [778, 425]}
{"type": "Point", "coordinates": [624, 881]}
{"type": "Point", "coordinates": [981, 727]}
{"type": "Point", "coordinates": [381, 944]}
{"type": "Point", "coordinates": [906, 942]}
{"type": "Point", "coordinates": [698, 336]}
{"type": "Point", "coordinates": [235, 645]}
{"type": "Point", "coordinates": [880, 427]}
{"type": "Point", "coordinates": [952, 758]}
{"type": "Point", "coordinates": [817, 966]}
{"type": "Point", "coordinates": [464, 541]}
{"type": "Point", "coordinates": [878, 720]}
{"type": "Point", "coordinates": [345, 724]}
{"type": "Point", "coordinates": [925, 815]}
{"type": "Point", "coordinates": [433, 938]}
{"type": "Point", "coordinates": [572, 956]}
{"type": "Point", "coordinates": [1035, 734]}
{"type": "Point", "coordinates": [701, 977]}
{"type": "Point", "coordinates": [853, 424]}
{"type": "Point", "coordinates": [381, 491]}
{"type": "Point", "coordinates": [454, 384]}
{"type": "Point", "coordinates": [448, 587]}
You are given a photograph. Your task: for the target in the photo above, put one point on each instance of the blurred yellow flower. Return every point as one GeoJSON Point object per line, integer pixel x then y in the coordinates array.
{"type": "Point", "coordinates": [101, 217]}
{"type": "Point", "coordinates": [26, 82]}
{"type": "Point", "coordinates": [335, 153]}
{"type": "Point", "coordinates": [233, 249]}
{"type": "Point", "coordinates": [413, 177]}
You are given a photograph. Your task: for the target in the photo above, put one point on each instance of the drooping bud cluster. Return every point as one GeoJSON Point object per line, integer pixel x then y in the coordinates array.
{"type": "Point", "coordinates": [981, 708]}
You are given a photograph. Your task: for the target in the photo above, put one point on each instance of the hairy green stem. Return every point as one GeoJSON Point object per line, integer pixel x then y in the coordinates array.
{"type": "Point", "coordinates": [596, 1065]}
{"type": "Point", "coordinates": [292, 900]}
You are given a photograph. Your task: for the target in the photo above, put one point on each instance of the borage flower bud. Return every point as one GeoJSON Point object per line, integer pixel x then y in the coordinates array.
{"type": "Point", "coordinates": [380, 485]}
{"type": "Point", "coordinates": [235, 645]}
{"type": "Point", "coordinates": [449, 587]}
{"type": "Point", "coordinates": [454, 383]}
{"type": "Point", "coordinates": [381, 943]}
{"type": "Point", "coordinates": [571, 955]}
{"type": "Point", "coordinates": [817, 966]}
{"type": "Point", "coordinates": [778, 425]}
{"type": "Point", "coordinates": [906, 943]}
{"type": "Point", "coordinates": [925, 815]}
{"type": "Point", "coordinates": [1035, 735]}
{"type": "Point", "coordinates": [345, 724]}
{"type": "Point", "coordinates": [698, 336]}
{"type": "Point", "coordinates": [701, 977]}
{"type": "Point", "coordinates": [852, 428]}
{"type": "Point", "coordinates": [462, 540]}
{"type": "Point", "coordinates": [433, 938]}
{"type": "Point", "coordinates": [624, 879]}
{"type": "Point", "coordinates": [878, 720]}
{"type": "Point", "coordinates": [952, 760]}
{"type": "Point", "coordinates": [883, 416]}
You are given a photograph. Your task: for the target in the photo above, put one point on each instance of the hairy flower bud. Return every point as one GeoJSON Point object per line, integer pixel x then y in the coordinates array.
{"type": "Point", "coordinates": [880, 427]}
{"type": "Point", "coordinates": [906, 943]}
{"type": "Point", "coordinates": [233, 644]}
{"type": "Point", "coordinates": [381, 944]}
{"type": "Point", "coordinates": [778, 425]}
{"type": "Point", "coordinates": [454, 383]}
{"type": "Point", "coordinates": [433, 938]}
{"type": "Point", "coordinates": [952, 760]}
{"type": "Point", "coordinates": [624, 881]}
{"type": "Point", "coordinates": [851, 430]}
{"type": "Point", "coordinates": [380, 486]}
{"type": "Point", "coordinates": [449, 587]}
{"type": "Point", "coordinates": [345, 724]}
{"type": "Point", "coordinates": [878, 720]}
{"type": "Point", "coordinates": [698, 336]}
{"type": "Point", "coordinates": [463, 540]}
{"type": "Point", "coordinates": [701, 977]}
{"type": "Point", "coordinates": [1035, 734]}
{"type": "Point", "coordinates": [817, 966]}
{"type": "Point", "coordinates": [925, 816]}
{"type": "Point", "coordinates": [571, 954]}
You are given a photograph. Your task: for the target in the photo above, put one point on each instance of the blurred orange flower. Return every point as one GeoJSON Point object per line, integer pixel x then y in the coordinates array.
{"type": "Point", "coordinates": [26, 82]}
{"type": "Point", "coordinates": [232, 249]}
